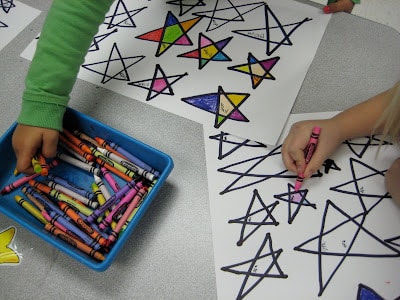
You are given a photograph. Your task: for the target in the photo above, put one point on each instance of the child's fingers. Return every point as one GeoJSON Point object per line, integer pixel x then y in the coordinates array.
{"type": "Point", "coordinates": [49, 144]}
{"type": "Point", "coordinates": [24, 162]}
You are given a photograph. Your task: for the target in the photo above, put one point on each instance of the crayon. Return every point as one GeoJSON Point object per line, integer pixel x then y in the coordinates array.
{"type": "Point", "coordinates": [101, 163]}
{"type": "Point", "coordinates": [85, 137]}
{"type": "Point", "coordinates": [118, 210]}
{"type": "Point", "coordinates": [72, 194]}
{"type": "Point", "coordinates": [69, 226]}
{"type": "Point", "coordinates": [134, 159]}
{"type": "Point", "coordinates": [74, 242]}
{"type": "Point", "coordinates": [30, 208]}
{"type": "Point", "coordinates": [61, 197]}
{"type": "Point", "coordinates": [76, 149]}
{"type": "Point", "coordinates": [82, 224]}
{"type": "Point", "coordinates": [46, 202]}
{"type": "Point", "coordinates": [73, 187]}
{"type": "Point", "coordinates": [36, 165]}
{"type": "Point", "coordinates": [35, 201]}
{"type": "Point", "coordinates": [110, 180]}
{"type": "Point", "coordinates": [153, 183]}
{"type": "Point", "coordinates": [98, 190]}
{"type": "Point", "coordinates": [112, 163]}
{"type": "Point", "coordinates": [308, 153]}
{"type": "Point", "coordinates": [104, 144]}
{"type": "Point", "coordinates": [43, 165]}
{"type": "Point", "coordinates": [118, 195]}
{"type": "Point", "coordinates": [121, 222]}
{"type": "Point", "coordinates": [73, 153]}
{"type": "Point", "coordinates": [16, 173]}
{"type": "Point", "coordinates": [128, 164]}
{"type": "Point", "coordinates": [18, 183]}
{"type": "Point", "coordinates": [76, 141]}
{"type": "Point", "coordinates": [79, 164]}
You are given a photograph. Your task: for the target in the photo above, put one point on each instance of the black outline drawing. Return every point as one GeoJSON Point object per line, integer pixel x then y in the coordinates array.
{"type": "Point", "coordinates": [362, 147]}
{"type": "Point", "coordinates": [356, 183]}
{"type": "Point", "coordinates": [264, 34]}
{"type": "Point", "coordinates": [225, 139]}
{"type": "Point", "coordinates": [122, 73]}
{"type": "Point", "coordinates": [250, 173]}
{"type": "Point", "coordinates": [226, 13]}
{"type": "Point", "coordinates": [253, 272]}
{"type": "Point", "coordinates": [264, 214]}
{"type": "Point", "coordinates": [300, 201]}
{"type": "Point", "coordinates": [6, 5]}
{"type": "Point", "coordinates": [159, 77]}
{"type": "Point", "coordinates": [99, 38]}
{"type": "Point", "coordinates": [357, 224]}
{"type": "Point", "coordinates": [122, 17]}
{"type": "Point", "coordinates": [185, 6]}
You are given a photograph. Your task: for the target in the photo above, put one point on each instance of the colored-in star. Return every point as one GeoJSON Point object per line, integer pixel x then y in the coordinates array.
{"type": "Point", "coordinates": [173, 33]}
{"type": "Point", "coordinates": [7, 255]}
{"type": "Point", "coordinates": [257, 69]}
{"type": "Point", "coordinates": [223, 105]}
{"type": "Point", "coordinates": [208, 50]}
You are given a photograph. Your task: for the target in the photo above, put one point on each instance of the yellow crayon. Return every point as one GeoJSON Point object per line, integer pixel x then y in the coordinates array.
{"type": "Point", "coordinates": [36, 165]}
{"type": "Point", "coordinates": [101, 199]}
{"type": "Point", "coordinates": [30, 208]}
{"type": "Point", "coordinates": [16, 172]}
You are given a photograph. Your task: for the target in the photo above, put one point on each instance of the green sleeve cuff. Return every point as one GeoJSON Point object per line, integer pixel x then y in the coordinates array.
{"type": "Point", "coordinates": [356, 1]}
{"type": "Point", "coordinates": [40, 114]}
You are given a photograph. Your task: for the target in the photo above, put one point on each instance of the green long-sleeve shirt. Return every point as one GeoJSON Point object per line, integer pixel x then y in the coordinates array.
{"type": "Point", "coordinates": [66, 36]}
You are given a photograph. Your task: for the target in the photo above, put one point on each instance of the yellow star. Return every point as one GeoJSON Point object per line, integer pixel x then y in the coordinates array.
{"type": "Point", "coordinates": [7, 255]}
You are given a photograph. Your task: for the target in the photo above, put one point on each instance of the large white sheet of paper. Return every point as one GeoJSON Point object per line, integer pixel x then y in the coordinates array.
{"type": "Point", "coordinates": [337, 238]}
{"type": "Point", "coordinates": [14, 17]}
{"type": "Point", "coordinates": [235, 65]}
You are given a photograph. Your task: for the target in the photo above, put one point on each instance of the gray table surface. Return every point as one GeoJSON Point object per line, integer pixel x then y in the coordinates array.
{"type": "Point", "coordinates": [170, 254]}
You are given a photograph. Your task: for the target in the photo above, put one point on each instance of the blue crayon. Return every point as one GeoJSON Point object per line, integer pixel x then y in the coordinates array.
{"type": "Point", "coordinates": [69, 185]}
{"type": "Point", "coordinates": [47, 204]}
{"type": "Point", "coordinates": [118, 195]}
{"type": "Point", "coordinates": [75, 230]}
{"type": "Point", "coordinates": [133, 158]}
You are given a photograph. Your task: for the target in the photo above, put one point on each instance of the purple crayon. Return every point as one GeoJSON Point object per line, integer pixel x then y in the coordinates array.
{"type": "Point", "coordinates": [118, 195]}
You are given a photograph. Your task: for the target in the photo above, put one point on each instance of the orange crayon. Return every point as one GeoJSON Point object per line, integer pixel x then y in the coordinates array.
{"type": "Point", "coordinates": [82, 224]}
{"type": "Point", "coordinates": [74, 242]}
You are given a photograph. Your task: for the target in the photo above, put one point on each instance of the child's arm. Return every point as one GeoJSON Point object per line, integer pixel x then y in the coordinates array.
{"type": "Point", "coordinates": [357, 121]}
{"type": "Point", "coordinates": [66, 36]}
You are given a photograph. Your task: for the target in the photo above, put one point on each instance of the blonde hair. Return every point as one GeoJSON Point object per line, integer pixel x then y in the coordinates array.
{"type": "Point", "coordinates": [390, 119]}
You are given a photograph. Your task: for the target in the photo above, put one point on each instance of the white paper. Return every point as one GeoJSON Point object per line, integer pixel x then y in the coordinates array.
{"type": "Point", "coordinates": [249, 191]}
{"type": "Point", "coordinates": [281, 35]}
{"type": "Point", "coordinates": [14, 17]}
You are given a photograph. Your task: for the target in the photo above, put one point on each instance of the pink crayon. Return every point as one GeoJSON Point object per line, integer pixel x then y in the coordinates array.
{"type": "Point", "coordinates": [25, 179]}
{"type": "Point", "coordinates": [121, 206]}
{"type": "Point", "coordinates": [121, 222]}
{"type": "Point", "coordinates": [308, 153]}
{"type": "Point", "coordinates": [110, 180]}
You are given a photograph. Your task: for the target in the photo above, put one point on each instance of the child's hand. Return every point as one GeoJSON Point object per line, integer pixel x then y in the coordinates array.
{"type": "Point", "coordinates": [339, 6]}
{"type": "Point", "coordinates": [392, 179]}
{"type": "Point", "coordinates": [28, 140]}
{"type": "Point", "coordinates": [297, 140]}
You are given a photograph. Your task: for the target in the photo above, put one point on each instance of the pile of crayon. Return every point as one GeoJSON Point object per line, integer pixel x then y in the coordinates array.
{"type": "Point", "coordinates": [92, 219]}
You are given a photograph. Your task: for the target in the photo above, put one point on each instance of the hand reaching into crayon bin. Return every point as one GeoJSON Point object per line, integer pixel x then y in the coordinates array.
{"type": "Point", "coordinates": [28, 141]}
